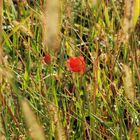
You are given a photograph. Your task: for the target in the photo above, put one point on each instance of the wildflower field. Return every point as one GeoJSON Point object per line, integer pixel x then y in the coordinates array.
{"type": "Point", "coordinates": [69, 70]}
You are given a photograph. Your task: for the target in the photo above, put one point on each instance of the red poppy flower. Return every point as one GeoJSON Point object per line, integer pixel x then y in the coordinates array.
{"type": "Point", "coordinates": [76, 64]}
{"type": "Point", "coordinates": [47, 58]}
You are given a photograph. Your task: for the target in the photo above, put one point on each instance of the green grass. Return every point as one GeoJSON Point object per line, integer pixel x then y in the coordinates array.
{"type": "Point", "coordinates": [103, 103]}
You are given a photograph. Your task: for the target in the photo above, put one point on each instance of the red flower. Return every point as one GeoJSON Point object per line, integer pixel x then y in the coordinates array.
{"type": "Point", "coordinates": [47, 58]}
{"type": "Point", "coordinates": [76, 64]}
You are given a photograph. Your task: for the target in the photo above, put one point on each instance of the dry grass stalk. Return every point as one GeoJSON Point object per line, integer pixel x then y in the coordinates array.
{"type": "Point", "coordinates": [128, 83]}
{"type": "Point", "coordinates": [67, 6]}
{"type": "Point", "coordinates": [6, 73]}
{"type": "Point", "coordinates": [54, 114]}
{"type": "Point", "coordinates": [93, 2]}
{"type": "Point", "coordinates": [36, 131]}
{"type": "Point", "coordinates": [136, 12]}
{"type": "Point", "coordinates": [127, 23]}
{"type": "Point", "coordinates": [44, 31]}
{"type": "Point", "coordinates": [1, 50]}
{"type": "Point", "coordinates": [22, 28]}
{"type": "Point", "coordinates": [128, 13]}
{"type": "Point", "coordinates": [10, 5]}
{"type": "Point", "coordinates": [50, 25]}
{"type": "Point", "coordinates": [1, 9]}
{"type": "Point", "coordinates": [2, 134]}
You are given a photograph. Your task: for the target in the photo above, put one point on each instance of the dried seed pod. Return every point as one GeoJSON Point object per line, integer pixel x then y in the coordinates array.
{"type": "Point", "coordinates": [128, 83]}
{"type": "Point", "coordinates": [50, 25]}
{"type": "Point", "coordinates": [35, 129]}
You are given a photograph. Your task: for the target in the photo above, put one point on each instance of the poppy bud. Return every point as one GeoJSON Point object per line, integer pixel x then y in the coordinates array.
{"type": "Point", "coordinates": [47, 58]}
